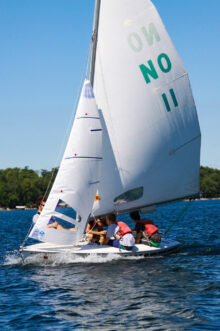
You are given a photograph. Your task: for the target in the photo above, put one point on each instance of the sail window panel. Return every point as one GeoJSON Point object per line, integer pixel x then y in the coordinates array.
{"type": "Point", "coordinates": [64, 225]}
{"type": "Point", "coordinates": [130, 195]}
{"type": "Point", "coordinates": [63, 208]}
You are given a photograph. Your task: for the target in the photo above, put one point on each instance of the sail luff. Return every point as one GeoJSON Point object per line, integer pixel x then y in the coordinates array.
{"type": "Point", "coordinates": [94, 40]}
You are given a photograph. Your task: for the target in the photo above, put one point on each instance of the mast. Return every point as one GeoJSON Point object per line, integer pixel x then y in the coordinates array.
{"type": "Point", "coordinates": [94, 40]}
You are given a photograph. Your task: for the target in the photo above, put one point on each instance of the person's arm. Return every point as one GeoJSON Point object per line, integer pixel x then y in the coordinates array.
{"type": "Point", "coordinates": [98, 233]}
{"type": "Point", "coordinates": [138, 238]}
{"type": "Point", "coordinates": [135, 229]}
{"type": "Point", "coordinates": [138, 231]}
{"type": "Point", "coordinates": [35, 218]}
{"type": "Point", "coordinates": [53, 225]}
{"type": "Point", "coordinates": [88, 228]}
{"type": "Point", "coordinates": [106, 241]}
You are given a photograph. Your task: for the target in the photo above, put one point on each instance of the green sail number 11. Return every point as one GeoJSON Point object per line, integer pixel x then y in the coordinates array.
{"type": "Point", "coordinates": [136, 42]}
{"type": "Point", "coordinates": [149, 72]}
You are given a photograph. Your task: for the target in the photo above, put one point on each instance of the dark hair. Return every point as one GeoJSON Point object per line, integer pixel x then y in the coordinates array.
{"type": "Point", "coordinates": [111, 217]}
{"type": "Point", "coordinates": [40, 200]}
{"type": "Point", "coordinates": [103, 221]}
{"type": "Point", "coordinates": [135, 215]}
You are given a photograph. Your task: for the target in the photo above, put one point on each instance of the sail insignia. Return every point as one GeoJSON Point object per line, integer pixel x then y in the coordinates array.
{"type": "Point", "coordinates": [88, 92]}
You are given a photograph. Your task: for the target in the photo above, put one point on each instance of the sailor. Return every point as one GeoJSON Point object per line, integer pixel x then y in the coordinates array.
{"type": "Point", "coordinates": [146, 231]}
{"type": "Point", "coordinates": [118, 234]}
{"type": "Point", "coordinates": [95, 232]}
{"type": "Point", "coordinates": [40, 205]}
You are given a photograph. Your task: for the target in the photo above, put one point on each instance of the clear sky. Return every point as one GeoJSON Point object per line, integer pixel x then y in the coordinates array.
{"type": "Point", "coordinates": [43, 53]}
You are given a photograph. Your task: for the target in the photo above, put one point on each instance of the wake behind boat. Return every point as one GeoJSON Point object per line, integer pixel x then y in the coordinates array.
{"type": "Point", "coordinates": [135, 140]}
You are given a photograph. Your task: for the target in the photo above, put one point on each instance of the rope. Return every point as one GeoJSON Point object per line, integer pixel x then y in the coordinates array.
{"type": "Point", "coordinates": [179, 216]}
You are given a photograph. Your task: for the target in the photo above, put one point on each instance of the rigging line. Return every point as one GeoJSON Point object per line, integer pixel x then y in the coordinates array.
{"type": "Point", "coordinates": [183, 145]}
{"type": "Point", "coordinates": [179, 216]}
{"type": "Point", "coordinates": [27, 235]}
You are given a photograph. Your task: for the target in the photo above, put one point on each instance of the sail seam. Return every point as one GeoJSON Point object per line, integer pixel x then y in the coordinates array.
{"type": "Point", "coordinates": [174, 80]}
{"type": "Point", "coordinates": [183, 145]}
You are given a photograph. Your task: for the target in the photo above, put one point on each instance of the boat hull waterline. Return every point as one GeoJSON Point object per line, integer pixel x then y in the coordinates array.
{"type": "Point", "coordinates": [49, 252]}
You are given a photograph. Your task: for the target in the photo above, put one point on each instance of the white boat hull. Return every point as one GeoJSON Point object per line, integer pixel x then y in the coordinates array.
{"type": "Point", "coordinates": [50, 252]}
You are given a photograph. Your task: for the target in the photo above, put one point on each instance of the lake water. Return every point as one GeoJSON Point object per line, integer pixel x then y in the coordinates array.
{"type": "Point", "coordinates": [180, 291]}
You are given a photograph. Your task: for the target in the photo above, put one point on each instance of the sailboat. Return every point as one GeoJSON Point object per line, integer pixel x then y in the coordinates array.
{"type": "Point", "coordinates": [135, 140]}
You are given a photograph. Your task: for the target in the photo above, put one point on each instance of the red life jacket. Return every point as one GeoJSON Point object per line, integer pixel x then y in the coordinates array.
{"type": "Point", "coordinates": [123, 229]}
{"type": "Point", "coordinates": [149, 227]}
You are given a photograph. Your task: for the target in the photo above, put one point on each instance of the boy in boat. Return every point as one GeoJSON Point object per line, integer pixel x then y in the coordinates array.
{"type": "Point", "coordinates": [95, 232]}
{"type": "Point", "coordinates": [146, 231]}
{"type": "Point", "coordinates": [40, 205]}
{"type": "Point", "coordinates": [118, 234]}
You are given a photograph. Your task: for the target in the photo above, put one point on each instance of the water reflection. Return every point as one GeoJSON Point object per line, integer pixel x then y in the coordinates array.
{"type": "Point", "coordinates": [122, 294]}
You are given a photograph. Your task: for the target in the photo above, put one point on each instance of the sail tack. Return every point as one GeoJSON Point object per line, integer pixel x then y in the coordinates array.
{"type": "Point", "coordinates": [152, 140]}
{"type": "Point", "coordinates": [77, 178]}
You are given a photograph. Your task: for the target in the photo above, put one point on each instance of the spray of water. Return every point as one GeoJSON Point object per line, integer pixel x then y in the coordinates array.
{"type": "Point", "coordinates": [14, 258]}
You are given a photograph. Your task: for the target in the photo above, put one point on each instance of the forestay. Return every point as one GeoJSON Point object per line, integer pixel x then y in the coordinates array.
{"type": "Point", "coordinates": [152, 142]}
{"type": "Point", "coordinates": [78, 175]}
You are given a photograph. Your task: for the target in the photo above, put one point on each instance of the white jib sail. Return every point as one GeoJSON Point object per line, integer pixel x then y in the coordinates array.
{"type": "Point", "coordinates": [78, 175]}
{"type": "Point", "coordinates": [152, 149]}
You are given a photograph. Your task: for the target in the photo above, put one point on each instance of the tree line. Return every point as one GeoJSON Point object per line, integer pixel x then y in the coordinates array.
{"type": "Point", "coordinates": [210, 182]}
{"type": "Point", "coordinates": [24, 186]}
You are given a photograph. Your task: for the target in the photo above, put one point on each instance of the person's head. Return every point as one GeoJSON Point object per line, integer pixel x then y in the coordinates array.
{"type": "Point", "coordinates": [101, 223]}
{"type": "Point", "coordinates": [41, 204]}
{"type": "Point", "coordinates": [110, 218]}
{"type": "Point", "coordinates": [134, 215]}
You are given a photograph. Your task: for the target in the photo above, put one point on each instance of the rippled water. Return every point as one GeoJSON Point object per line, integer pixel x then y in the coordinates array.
{"type": "Point", "coordinates": [176, 292]}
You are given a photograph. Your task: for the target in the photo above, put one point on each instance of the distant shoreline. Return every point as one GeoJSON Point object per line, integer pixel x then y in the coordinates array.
{"type": "Point", "coordinates": [209, 199]}
{"type": "Point", "coordinates": [14, 209]}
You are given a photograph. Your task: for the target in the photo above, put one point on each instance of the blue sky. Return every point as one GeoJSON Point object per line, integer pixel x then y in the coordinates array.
{"type": "Point", "coordinates": [44, 47]}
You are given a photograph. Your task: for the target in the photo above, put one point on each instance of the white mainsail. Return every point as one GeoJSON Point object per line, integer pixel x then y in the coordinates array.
{"type": "Point", "coordinates": [78, 175]}
{"type": "Point", "coordinates": [152, 141]}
